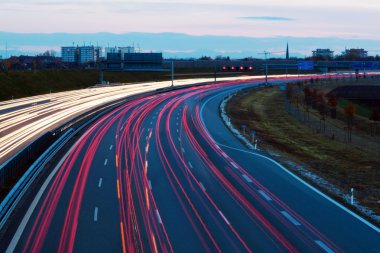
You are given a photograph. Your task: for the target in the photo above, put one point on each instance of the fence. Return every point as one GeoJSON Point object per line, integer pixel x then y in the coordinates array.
{"type": "Point", "coordinates": [320, 126]}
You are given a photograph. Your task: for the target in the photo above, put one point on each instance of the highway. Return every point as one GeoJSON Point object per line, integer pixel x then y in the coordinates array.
{"type": "Point", "coordinates": [164, 174]}
{"type": "Point", "coordinates": [23, 120]}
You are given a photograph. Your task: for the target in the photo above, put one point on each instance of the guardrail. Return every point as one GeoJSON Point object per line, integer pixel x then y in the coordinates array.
{"type": "Point", "coordinates": [16, 165]}
{"type": "Point", "coordinates": [13, 197]}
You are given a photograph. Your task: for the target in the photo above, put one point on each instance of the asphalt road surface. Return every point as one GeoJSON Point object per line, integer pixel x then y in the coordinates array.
{"type": "Point", "coordinates": [164, 174]}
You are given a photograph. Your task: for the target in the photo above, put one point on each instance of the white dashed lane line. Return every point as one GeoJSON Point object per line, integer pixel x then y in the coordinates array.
{"type": "Point", "coordinates": [324, 246]}
{"type": "Point", "coordinates": [265, 195]}
{"type": "Point", "coordinates": [96, 214]}
{"type": "Point", "coordinates": [290, 218]}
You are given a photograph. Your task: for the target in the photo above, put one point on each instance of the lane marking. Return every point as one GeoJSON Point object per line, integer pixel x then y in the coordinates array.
{"type": "Point", "coordinates": [324, 246]}
{"type": "Point", "coordinates": [96, 214]}
{"type": "Point", "coordinates": [183, 150]}
{"type": "Point", "coordinates": [290, 218]}
{"type": "Point", "coordinates": [158, 216]}
{"type": "Point", "coordinates": [224, 217]}
{"type": "Point", "coordinates": [151, 122]}
{"type": "Point", "coordinates": [179, 139]}
{"type": "Point", "coordinates": [100, 182]}
{"type": "Point", "coordinates": [150, 185]}
{"type": "Point", "coordinates": [247, 178]}
{"type": "Point", "coordinates": [234, 165]}
{"type": "Point", "coordinates": [336, 203]}
{"type": "Point", "coordinates": [105, 162]}
{"type": "Point", "coordinates": [122, 237]}
{"type": "Point", "coordinates": [203, 187]}
{"type": "Point", "coordinates": [265, 195]}
{"type": "Point", "coordinates": [177, 130]}
{"type": "Point", "coordinates": [225, 155]}
{"type": "Point", "coordinates": [20, 230]}
{"type": "Point", "coordinates": [111, 147]}
{"type": "Point", "coordinates": [332, 201]}
{"type": "Point", "coordinates": [118, 188]}
{"type": "Point", "coordinates": [190, 165]}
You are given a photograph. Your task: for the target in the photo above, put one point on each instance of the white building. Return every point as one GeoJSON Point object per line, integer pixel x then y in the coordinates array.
{"type": "Point", "coordinates": [120, 50]}
{"type": "Point", "coordinates": [81, 55]}
{"type": "Point", "coordinates": [323, 53]}
{"type": "Point", "coordinates": [69, 54]}
{"type": "Point", "coordinates": [356, 53]}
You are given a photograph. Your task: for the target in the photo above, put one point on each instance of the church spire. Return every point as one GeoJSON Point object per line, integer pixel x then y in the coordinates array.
{"type": "Point", "coordinates": [287, 50]}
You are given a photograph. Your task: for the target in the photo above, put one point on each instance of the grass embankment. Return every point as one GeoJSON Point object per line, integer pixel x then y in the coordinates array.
{"type": "Point", "coordinates": [26, 83]}
{"type": "Point", "coordinates": [341, 164]}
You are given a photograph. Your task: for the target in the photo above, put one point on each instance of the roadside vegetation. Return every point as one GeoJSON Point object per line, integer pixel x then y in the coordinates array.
{"type": "Point", "coordinates": [301, 128]}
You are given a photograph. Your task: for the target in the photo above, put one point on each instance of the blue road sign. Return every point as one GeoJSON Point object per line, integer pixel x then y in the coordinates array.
{"type": "Point", "coordinates": [305, 65]}
{"type": "Point", "coordinates": [365, 65]}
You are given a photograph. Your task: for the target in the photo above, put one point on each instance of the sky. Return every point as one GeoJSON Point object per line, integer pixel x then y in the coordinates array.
{"type": "Point", "coordinates": [344, 19]}
{"type": "Point", "coordinates": [306, 18]}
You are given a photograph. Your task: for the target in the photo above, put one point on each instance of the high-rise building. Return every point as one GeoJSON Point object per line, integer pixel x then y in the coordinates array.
{"type": "Point", "coordinates": [69, 54]}
{"type": "Point", "coordinates": [81, 55]}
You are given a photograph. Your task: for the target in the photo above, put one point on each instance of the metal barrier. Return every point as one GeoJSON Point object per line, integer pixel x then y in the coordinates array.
{"type": "Point", "coordinates": [16, 165]}
{"type": "Point", "coordinates": [13, 197]}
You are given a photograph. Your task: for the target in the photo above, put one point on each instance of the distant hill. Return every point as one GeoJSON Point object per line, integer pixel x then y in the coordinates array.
{"type": "Point", "coordinates": [181, 45]}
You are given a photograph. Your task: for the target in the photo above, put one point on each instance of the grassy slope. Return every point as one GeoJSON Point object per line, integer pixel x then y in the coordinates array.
{"type": "Point", "coordinates": [23, 83]}
{"type": "Point", "coordinates": [341, 164]}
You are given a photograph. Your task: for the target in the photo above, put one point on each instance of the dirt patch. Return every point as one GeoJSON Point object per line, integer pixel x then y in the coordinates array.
{"type": "Point", "coordinates": [339, 163]}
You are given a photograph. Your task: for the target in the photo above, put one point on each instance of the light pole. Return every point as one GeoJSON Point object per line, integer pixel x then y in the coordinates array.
{"type": "Point", "coordinates": [266, 66]}
{"type": "Point", "coordinates": [172, 73]}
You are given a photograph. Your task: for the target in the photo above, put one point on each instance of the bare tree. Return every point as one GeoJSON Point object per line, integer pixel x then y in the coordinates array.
{"type": "Point", "coordinates": [349, 111]}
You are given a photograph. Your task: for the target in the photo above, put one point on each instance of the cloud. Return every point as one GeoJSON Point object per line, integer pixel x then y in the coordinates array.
{"type": "Point", "coordinates": [268, 18]}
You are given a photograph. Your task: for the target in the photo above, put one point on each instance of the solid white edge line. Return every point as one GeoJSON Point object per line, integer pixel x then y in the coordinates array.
{"type": "Point", "coordinates": [369, 224]}
{"type": "Point", "coordinates": [324, 246]}
{"type": "Point", "coordinates": [290, 218]}
{"type": "Point", "coordinates": [12, 245]}
{"type": "Point", "coordinates": [150, 185]}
